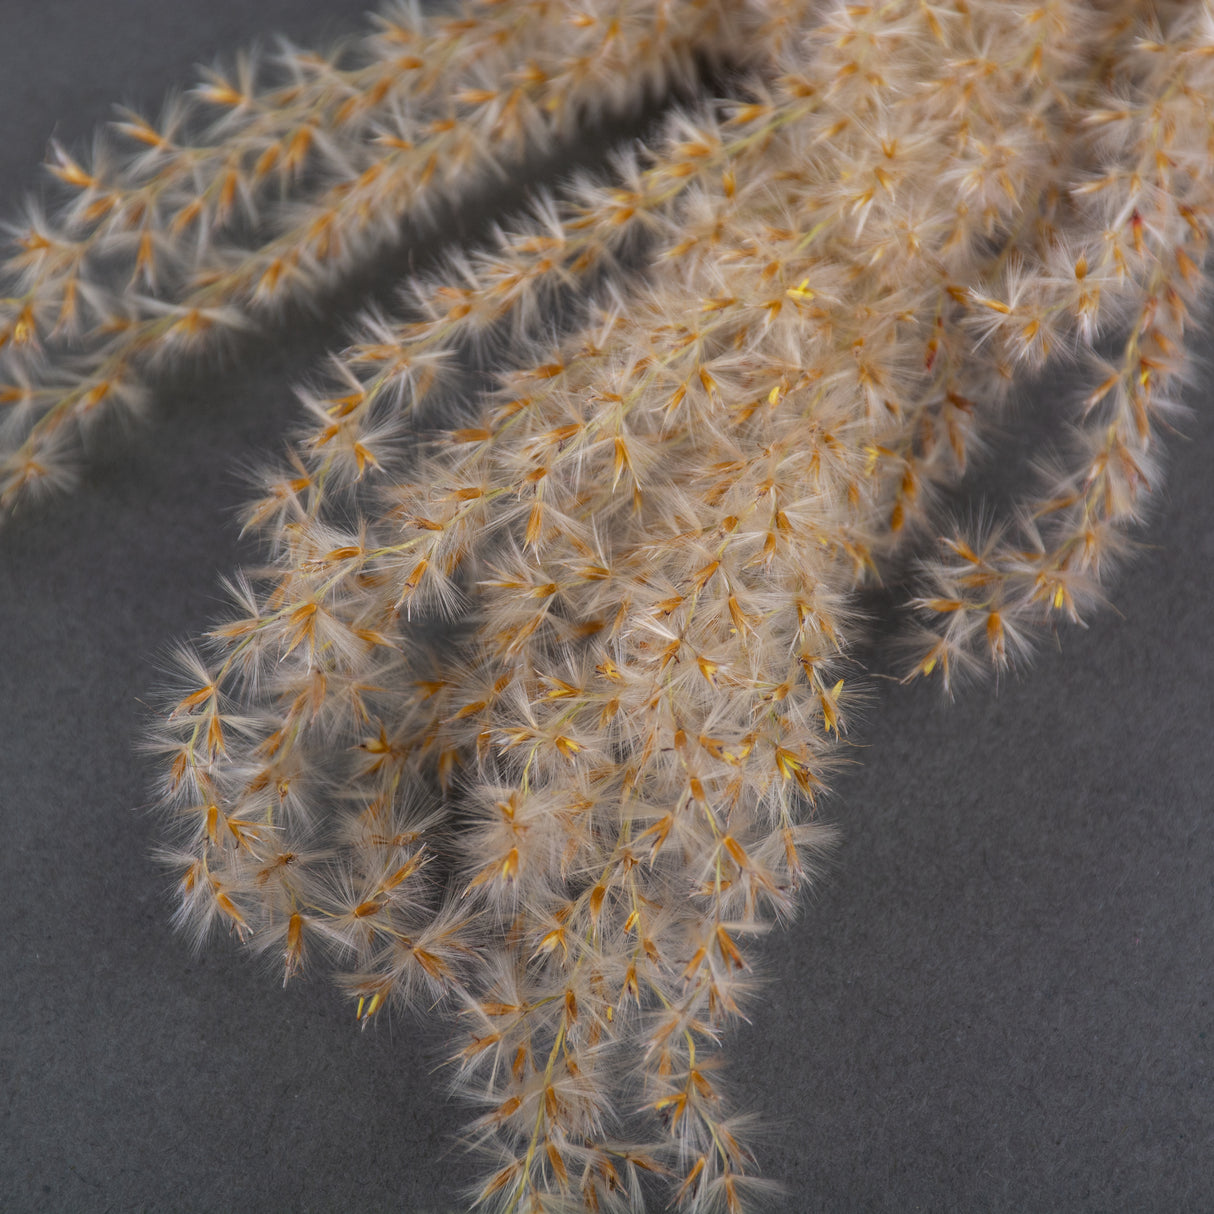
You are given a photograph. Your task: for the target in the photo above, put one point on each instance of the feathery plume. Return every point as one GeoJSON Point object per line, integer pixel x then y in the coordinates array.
{"type": "Point", "coordinates": [790, 319]}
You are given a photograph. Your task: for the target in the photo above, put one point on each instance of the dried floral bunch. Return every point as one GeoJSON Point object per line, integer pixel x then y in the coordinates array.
{"type": "Point", "coordinates": [571, 818]}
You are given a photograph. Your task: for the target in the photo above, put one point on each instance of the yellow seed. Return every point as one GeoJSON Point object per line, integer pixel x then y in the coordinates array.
{"type": "Point", "coordinates": [535, 524]}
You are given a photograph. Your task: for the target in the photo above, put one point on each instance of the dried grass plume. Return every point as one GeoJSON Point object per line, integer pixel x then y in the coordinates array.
{"type": "Point", "coordinates": [737, 375]}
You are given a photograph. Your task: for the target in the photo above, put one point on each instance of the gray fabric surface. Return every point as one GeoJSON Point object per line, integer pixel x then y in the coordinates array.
{"type": "Point", "coordinates": [999, 999]}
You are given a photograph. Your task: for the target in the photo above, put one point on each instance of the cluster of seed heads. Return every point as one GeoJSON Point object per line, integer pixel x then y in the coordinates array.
{"type": "Point", "coordinates": [790, 321]}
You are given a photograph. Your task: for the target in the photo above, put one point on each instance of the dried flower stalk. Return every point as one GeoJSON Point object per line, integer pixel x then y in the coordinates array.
{"type": "Point", "coordinates": [648, 538]}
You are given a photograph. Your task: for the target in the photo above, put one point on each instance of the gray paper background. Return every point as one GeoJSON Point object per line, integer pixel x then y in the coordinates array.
{"type": "Point", "coordinates": [999, 999]}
